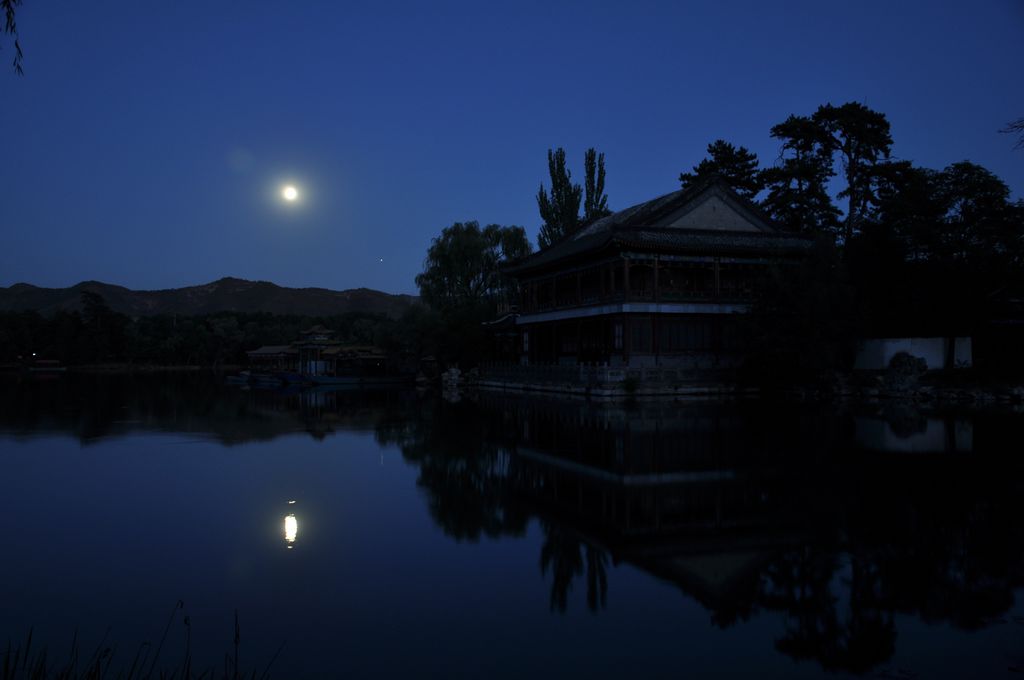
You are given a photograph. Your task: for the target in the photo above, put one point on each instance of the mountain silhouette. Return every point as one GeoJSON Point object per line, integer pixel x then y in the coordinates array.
{"type": "Point", "coordinates": [227, 294]}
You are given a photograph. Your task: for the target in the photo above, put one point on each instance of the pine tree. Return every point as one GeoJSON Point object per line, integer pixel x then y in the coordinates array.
{"type": "Point", "coordinates": [862, 139]}
{"type": "Point", "coordinates": [737, 166]}
{"type": "Point", "coordinates": [798, 195]}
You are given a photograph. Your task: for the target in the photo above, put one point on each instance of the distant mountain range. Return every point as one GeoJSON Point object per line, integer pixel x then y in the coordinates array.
{"type": "Point", "coordinates": [227, 294]}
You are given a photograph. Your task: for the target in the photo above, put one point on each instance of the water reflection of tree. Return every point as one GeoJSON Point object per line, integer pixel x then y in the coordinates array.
{"type": "Point", "coordinates": [936, 540]}
{"type": "Point", "coordinates": [948, 548]}
{"type": "Point", "coordinates": [567, 556]}
{"type": "Point", "coordinates": [92, 406]}
{"type": "Point", "coordinates": [882, 535]}
{"type": "Point", "coordinates": [802, 584]}
{"type": "Point", "coordinates": [466, 477]}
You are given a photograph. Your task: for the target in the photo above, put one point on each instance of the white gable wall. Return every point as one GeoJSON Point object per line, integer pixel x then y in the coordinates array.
{"type": "Point", "coordinates": [712, 213]}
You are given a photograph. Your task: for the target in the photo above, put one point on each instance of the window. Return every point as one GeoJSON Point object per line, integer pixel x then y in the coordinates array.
{"type": "Point", "coordinates": [640, 336]}
{"type": "Point", "coordinates": [526, 341]}
{"type": "Point", "coordinates": [617, 335]}
{"type": "Point", "coordinates": [682, 335]}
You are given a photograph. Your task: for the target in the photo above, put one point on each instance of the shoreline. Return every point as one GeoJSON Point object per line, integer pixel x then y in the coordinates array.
{"type": "Point", "coordinates": [122, 369]}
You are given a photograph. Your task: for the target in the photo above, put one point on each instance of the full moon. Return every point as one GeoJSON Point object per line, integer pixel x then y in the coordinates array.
{"type": "Point", "coordinates": [290, 193]}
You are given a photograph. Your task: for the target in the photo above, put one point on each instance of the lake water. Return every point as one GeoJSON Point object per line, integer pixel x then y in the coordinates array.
{"type": "Point", "coordinates": [391, 533]}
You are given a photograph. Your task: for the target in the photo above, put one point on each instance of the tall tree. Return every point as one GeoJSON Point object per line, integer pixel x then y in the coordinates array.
{"type": "Point", "coordinates": [798, 195]}
{"type": "Point", "coordinates": [907, 210]}
{"type": "Point", "coordinates": [561, 207]}
{"type": "Point", "coordinates": [862, 139]}
{"type": "Point", "coordinates": [737, 166]}
{"type": "Point", "coordinates": [981, 224]}
{"type": "Point", "coordinates": [463, 285]}
{"type": "Point", "coordinates": [595, 201]}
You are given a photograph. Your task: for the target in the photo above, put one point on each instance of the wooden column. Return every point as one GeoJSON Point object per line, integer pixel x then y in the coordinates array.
{"type": "Point", "coordinates": [656, 260]}
{"type": "Point", "coordinates": [654, 330]}
{"type": "Point", "coordinates": [579, 339]}
{"type": "Point", "coordinates": [579, 288]}
{"type": "Point", "coordinates": [626, 339]}
{"type": "Point", "coordinates": [718, 282]}
{"type": "Point", "coordinates": [625, 278]}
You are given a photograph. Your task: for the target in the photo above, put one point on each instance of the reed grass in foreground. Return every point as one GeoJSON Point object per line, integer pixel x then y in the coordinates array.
{"type": "Point", "coordinates": [26, 662]}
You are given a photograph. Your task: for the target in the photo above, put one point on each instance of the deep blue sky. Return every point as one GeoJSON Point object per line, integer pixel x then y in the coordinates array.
{"type": "Point", "coordinates": [146, 141]}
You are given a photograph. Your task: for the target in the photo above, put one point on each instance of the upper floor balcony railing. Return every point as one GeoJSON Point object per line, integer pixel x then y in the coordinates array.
{"type": "Point", "coordinates": [739, 294]}
{"type": "Point", "coordinates": [641, 280]}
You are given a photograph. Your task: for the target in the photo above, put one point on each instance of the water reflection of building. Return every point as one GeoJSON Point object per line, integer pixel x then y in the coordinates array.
{"type": "Point", "coordinates": [323, 410]}
{"type": "Point", "coordinates": [904, 429]}
{"type": "Point", "coordinates": [761, 508]}
{"type": "Point", "coordinates": [681, 490]}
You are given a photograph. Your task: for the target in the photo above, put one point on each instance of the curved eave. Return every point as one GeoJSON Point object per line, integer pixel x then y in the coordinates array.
{"type": "Point", "coordinates": [663, 241]}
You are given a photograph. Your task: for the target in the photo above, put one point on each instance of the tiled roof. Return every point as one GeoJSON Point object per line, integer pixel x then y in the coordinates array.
{"type": "Point", "coordinates": [716, 241]}
{"type": "Point", "coordinates": [317, 330]}
{"type": "Point", "coordinates": [353, 351]}
{"type": "Point", "coordinates": [272, 349]}
{"type": "Point", "coordinates": [645, 226]}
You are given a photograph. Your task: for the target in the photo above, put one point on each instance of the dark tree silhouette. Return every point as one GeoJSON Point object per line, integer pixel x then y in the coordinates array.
{"type": "Point", "coordinates": [560, 208]}
{"type": "Point", "coordinates": [979, 222]}
{"type": "Point", "coordinates": [9, 8]}
{"type": "Point", "coordinates": [1016, 127]}
{"type": "Point", "coordinates": [462, 264]}
{"type": "Point", "coordinates": [737, 166]}
{"type": "Point", "coordinates": [907, 210]}
{"type": "Point", "coordinates": [566, 556]}
{"type": "Point", "coordinates": [798, 195]}
{"type": "Point", "coordinates": [595, 201]}
{"type": "Point", "coordinates": [463, 283]}
{"type": "Point", "coordinates": [862, 139]}
{"type": "Point", "coordinates": [805, 318]}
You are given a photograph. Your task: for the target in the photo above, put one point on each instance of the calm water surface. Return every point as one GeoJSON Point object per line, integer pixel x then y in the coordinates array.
{"type": "Point", "coordinates": [392, 533]}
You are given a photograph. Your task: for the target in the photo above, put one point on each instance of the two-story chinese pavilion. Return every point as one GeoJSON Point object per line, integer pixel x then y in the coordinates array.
{"type": "Point", "coordinates": [656, 284]}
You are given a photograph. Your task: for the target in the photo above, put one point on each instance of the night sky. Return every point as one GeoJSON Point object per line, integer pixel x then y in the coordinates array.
{"type": "Point", "coordinates": [147, 143]}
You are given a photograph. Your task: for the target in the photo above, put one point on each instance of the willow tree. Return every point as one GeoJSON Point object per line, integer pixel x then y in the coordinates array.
{"type": "Point", "coordinates": [462, 270]}
{"type": "Point", "coordinates": [463, 285]}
